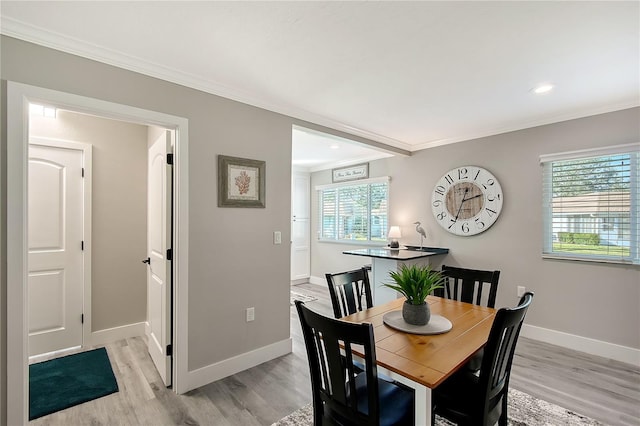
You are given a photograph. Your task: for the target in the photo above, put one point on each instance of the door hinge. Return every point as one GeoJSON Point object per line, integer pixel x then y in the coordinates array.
{"type": "Point", "coordinates": [82, 319]}
{"type": "Point", "coordinates": [169, 254]}
{"type": "Point", "coordinates": [82, 172]}
{"type": "Point", "coordinates": [169, 350]}
{"type": "Point", "coordinates": [82, 245]}
{"type": "Point", "coordinates": [169, 158]}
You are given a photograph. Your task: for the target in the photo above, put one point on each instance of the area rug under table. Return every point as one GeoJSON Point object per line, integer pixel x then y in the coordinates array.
{"type": "Point", "coordinates": [71, 380]}
{"type": "Point", "coordinates": [524, 410]}
{"type": "Point", "coordinates": [301, 297]}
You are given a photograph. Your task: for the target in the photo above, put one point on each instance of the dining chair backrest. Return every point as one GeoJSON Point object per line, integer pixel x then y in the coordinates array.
{"type": "Point", "coordinates": [333, 384]}
{"type": "Point", "coordinates": [495, 371]}
{"type": "Point", "coordinates": [480, 399]}
{"type": "Point", "coordinates": [347, 290]}
{"type": "Point", "coordinates": [468, 285]}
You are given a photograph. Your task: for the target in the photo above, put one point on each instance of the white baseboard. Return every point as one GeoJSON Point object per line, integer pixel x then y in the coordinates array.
{"type": "Point", "coordinates": [220, 370]}
{"type": "Point", "coordinates": [53, 354]}
{"type": "Point", "coordinates": [318, 280]}
{"type": "Point", "coordinates": [583, 344]}
{"type": "Point", "coordinates": [110, 335]}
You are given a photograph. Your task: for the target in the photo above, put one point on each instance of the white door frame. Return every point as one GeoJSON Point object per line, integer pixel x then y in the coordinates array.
{"type": "Point", "coordinates": [18, 98]}
{"type": "Point", "coordinates": [87, 164]}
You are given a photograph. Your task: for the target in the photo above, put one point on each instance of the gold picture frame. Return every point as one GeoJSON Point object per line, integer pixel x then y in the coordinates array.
{"type": "Point", "coordinates": [241, 182]}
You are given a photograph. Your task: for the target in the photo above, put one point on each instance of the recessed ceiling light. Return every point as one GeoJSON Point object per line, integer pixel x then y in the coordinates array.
{"type": "Point", "coordinates": [543, 88]}
{"type": "Point", "coordinates": [335, 146]}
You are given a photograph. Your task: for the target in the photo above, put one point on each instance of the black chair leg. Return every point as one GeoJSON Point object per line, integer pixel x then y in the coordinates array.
{"type": "Point", "coordinates": [502, 421]}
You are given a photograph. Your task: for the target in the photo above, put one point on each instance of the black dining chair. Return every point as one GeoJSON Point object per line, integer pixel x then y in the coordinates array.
{"type": "Point", "coordinates": [341, 394]}
{"type": "Point", "coordinates": [469, 399]}
{"type": "Point", "coordinates": [468, 285]}
{"type": "Point", "coordinates": [347, 290]}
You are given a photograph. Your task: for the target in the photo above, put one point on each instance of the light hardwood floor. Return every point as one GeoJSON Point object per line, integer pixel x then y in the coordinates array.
{"type": "Point", "coordinates": [600, 388]}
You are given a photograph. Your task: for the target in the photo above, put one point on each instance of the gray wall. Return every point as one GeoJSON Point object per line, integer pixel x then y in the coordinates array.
{"type": "Point", "coordinates": [233, 263]}
{"type": "Point", "coordinates": [119, 212]}
{"type": "Point", "coordinates": [594, 300]}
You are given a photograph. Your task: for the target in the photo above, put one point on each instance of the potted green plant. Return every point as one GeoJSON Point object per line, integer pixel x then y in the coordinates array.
{"type": "Point", "coordinates": [415, 283]}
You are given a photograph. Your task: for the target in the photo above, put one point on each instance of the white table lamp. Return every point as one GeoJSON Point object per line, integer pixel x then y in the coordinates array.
{"type": "Point", "coordinates": [394, 234]}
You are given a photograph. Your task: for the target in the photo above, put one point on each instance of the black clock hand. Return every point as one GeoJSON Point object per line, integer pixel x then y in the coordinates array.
{"type": "Point", "coordinates": [475, 196]}
{"type": "Point", "coordinates": [461, 203]}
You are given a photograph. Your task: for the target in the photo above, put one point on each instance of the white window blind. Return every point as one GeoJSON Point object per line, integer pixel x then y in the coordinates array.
{"type": "Point", "coordinates": [591, 204]}
{"type": "Point", "coordinates": [354, 212]}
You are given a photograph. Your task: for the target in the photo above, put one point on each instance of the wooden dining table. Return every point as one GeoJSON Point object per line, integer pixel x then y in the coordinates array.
{"type": "Point", "coordinates": [422, 362]}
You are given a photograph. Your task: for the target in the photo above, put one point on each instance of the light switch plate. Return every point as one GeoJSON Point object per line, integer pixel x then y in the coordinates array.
{"type": "Point", "coordinates": [251, 314]}
{"type": "Point", "coordinates": [277, 237]}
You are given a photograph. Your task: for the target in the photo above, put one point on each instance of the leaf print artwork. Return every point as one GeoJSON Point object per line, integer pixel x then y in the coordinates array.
{"type": "Point", "coordinates": [243, 182]}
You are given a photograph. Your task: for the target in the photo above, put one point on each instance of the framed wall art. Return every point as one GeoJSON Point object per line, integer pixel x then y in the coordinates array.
{"type": "Point", "coordinates": [241, 182]}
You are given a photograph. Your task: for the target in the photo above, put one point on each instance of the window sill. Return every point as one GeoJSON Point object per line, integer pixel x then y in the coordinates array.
{"type": "Point", "coordinates": [588, 260]}
{"type": "Point", "coordinates": [355, 243]}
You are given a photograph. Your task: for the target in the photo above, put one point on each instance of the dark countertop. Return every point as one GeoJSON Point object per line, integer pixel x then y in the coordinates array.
{"type": "Point", "coordinates": [404, 253]}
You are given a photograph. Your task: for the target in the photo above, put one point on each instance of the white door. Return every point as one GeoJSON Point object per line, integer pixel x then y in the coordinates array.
{"type": "Point", "coordinates": [159, 290]}
{"type": "Point", "coordinates": [55, 257]}
{"type": "Point", "coordinates": [300, 226]}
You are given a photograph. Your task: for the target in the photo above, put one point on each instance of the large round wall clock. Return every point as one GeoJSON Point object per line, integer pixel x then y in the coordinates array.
{"type": "Point", "coordinates": [467, 200]}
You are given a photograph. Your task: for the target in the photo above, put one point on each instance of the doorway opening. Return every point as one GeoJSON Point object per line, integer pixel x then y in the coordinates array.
{"type": "Point", "coordinates": [314, 153]}
{"type": "Point", "coordinates": [18, 98]}
{"type": "Point", "coordinates": [74, 254]}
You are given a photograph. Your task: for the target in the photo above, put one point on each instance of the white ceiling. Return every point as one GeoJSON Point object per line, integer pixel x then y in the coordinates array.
{"type": "Point", "coordinates": [409, 74]}
{"type": "Point", "coordinates": [313, 151]}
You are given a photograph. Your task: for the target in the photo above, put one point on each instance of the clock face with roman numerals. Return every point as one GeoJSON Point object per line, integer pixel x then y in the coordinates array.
{"type": "Point", "coordinates": [467, 200]}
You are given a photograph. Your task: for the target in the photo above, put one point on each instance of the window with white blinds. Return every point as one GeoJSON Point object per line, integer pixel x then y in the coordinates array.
{"type": "Point", "coordinates": [591, 204]}
{"type": "Point", "coordinates": [354, 212]}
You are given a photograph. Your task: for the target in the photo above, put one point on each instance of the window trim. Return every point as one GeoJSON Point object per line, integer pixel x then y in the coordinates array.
{"type": "Point", "coordinates": [319, 188]}
{"type": "Point", "coordinates": [592, 152]}
{"type": "Point", "coordinates": [547, 248]}
{"type": "Point", "coordinates": [383, 179]}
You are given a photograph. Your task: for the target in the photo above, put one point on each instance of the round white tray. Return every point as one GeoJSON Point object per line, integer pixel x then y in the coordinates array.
{"type": "Point", "coordinates": [437, 324]}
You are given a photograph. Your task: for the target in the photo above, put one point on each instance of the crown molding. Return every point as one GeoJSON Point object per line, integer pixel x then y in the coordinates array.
{"type": "Point", "coordinates": [523, 125]}
{"type": "Point", "coordinates": [33, 34]}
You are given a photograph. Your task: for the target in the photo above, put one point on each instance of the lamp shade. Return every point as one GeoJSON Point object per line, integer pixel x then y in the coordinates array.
{"type": "Point", "coordinates": [394, 232]}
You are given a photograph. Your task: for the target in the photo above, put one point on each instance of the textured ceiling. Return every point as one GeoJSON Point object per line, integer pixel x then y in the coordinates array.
{"type": "Point", "coordinates": [409, 74]}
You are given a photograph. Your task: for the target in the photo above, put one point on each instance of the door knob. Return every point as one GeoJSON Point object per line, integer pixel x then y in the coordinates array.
{"type": "Point", "coordinates": [147, 261]}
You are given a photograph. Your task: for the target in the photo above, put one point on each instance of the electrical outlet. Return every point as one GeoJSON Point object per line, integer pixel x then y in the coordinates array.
{"type": "Point", "coordinates": [251, 314]}
{"type": "Point", "coordinates": [277, 237]}
{"type": "Point", "coordinates": [521, 290]}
